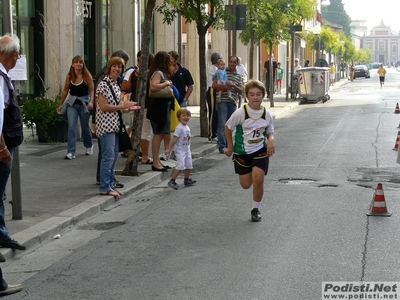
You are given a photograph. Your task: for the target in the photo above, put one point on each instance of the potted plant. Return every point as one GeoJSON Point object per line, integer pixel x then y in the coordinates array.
{"type": "Point", "coordinates": [41, 112]}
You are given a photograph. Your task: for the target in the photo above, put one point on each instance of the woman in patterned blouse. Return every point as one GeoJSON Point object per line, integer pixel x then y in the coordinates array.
{"type": "Point", "coordinates": [108, 94]}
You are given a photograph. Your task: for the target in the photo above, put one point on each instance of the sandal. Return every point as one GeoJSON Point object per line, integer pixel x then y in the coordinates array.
{"type": "Point", "coordinates": [110, 193]}
{"type": "Point", "coordinates": [119, 192]}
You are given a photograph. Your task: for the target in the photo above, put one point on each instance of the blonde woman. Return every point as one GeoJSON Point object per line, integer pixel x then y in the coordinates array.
{"type": "Point", "coordinates": [108, 94]}
{"type": "Point", "coordinates": [79, 85]}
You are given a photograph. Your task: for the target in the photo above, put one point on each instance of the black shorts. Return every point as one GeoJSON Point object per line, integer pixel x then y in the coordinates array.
{"type": "Point", "coordinates": [160, 128]}
{"type": "Point", "coordinates": [382, 78]}
{"type": "Point", "coordinates": [244, 163]}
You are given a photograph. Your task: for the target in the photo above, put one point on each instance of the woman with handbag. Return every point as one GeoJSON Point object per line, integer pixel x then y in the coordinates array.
{"type": "Point", "coordinates": [79, 85]}
{"type": "Point", "coordinates": [160, 104]}
{"type": "Point", "coordinates": [108, 94]}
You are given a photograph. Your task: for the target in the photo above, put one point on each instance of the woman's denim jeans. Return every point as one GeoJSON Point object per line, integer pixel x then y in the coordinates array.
{"type": "Point", "coordinates": [74, 112]}
{"type": "Point", "coordinates": [109, 149]}
{"type": "Point", "coordinates": [225, 111]}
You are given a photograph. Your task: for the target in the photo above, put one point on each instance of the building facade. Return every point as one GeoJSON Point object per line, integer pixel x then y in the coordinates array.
{"type": "Point", "coordinates": [385, 44]}
{"type": "Point", "coordinates": [52, 32]}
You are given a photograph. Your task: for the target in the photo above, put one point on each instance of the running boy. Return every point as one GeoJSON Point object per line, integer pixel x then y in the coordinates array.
{"type": "Point", "coordinates": [181, 142]}
{"type": "Point", "coordinates": [222, 78]}
{"type": "Point", "coordinates": [279, 77]}
{"type": "Point", "coordinates": [382, 73]}
{"type": "Point", "coordinates": [254, 143]}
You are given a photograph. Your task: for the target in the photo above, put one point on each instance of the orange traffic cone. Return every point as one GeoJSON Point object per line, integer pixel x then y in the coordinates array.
{"type": "Point", "coordinates": [379, 205]}
{"type": "Point", "coordinates": [396, 144]}
{"type": "Point", "coordinates": [397, 110]}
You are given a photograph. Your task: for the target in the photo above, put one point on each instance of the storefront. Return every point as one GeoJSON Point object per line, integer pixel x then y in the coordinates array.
{"type": "Point", "coordinates": [53, 32]}
{"type": "Point", "coordinates": [26, 26]}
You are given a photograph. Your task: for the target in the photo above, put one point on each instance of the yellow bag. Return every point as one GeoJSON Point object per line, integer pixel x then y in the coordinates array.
{"type": "Point", "coordinates": [174, 118]}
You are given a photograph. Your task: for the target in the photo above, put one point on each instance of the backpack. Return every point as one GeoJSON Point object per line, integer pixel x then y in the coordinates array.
{"type": "Point", "coordinates": [12, 123]}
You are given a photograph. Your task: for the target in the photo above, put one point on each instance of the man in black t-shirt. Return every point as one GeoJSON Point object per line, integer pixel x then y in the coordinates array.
{"type": "Point", "coordinates": [182, 79]}
{"type": "Point", "coordinates": [268, 73]}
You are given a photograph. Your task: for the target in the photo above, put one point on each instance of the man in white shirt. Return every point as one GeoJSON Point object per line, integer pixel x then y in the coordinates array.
{"type": "Point", "coordinates": [9, 54]}
{"type": "Point", "coordinates": [241, 69]}
{"type": "Point", "coordinates": [296, 65]}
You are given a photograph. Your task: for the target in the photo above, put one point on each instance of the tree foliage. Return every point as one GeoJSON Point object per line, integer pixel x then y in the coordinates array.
{"type": "Point", "coordinates": [206, 14]}
{"type": "Point", "coordinates": [335, 13]}
{"type": "Point", "coordinates": [270, 21]}
{"type": "Point", "coordinates": [331, 40]}
{"type": "Point", "coordinates": [349, 49]}
{"type": "Point", "coordinates": [364, 56]}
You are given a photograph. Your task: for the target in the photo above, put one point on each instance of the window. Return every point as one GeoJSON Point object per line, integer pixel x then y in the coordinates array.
{"type": "Point", "coordinates": [23, 14]}
{"type": "Point", "coordinates": [394, 48]}
{"type": "Point", "coordinates": [381, 46]}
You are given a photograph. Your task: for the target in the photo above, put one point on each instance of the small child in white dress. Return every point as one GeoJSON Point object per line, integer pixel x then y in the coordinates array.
{"type": "Point", "coordinates": [181, 145]}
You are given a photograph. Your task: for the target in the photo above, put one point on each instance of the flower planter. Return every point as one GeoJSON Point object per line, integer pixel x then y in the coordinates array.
{"type": "Point", "coordinates": [57, 133]}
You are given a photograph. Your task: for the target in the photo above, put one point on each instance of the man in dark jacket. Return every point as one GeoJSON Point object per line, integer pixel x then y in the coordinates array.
{"type": "Point", "coordinates": [182, 79]}
{"type": "Point", "coordinates": [268, 75]}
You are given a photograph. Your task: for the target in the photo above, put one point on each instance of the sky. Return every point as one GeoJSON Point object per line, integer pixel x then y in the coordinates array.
{"type": "Point", "coordinates": [373, 11]}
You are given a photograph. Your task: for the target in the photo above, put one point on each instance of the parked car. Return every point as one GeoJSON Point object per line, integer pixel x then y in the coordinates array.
{"type": "Point", "coordinates": [361, 71]}
{"type": "Point", "coordinates": [376, 65]}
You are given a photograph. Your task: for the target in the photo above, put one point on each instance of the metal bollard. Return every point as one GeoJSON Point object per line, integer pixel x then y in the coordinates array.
{"type": "Point", "coordinates": [16, 186]}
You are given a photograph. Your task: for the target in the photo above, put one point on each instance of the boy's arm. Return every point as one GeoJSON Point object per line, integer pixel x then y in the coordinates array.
{"type": "Point", "coordinates": [172, 144]}
{"type": "Point", "coordinates": [229, 141]}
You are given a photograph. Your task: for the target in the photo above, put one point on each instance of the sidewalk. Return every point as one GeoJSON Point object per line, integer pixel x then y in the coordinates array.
{"type": "Point", "coordinates": [57, 193]}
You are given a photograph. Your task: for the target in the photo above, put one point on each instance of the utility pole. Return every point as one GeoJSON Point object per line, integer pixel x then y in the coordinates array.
{"type": "Point", "coordinates": [7, 16]}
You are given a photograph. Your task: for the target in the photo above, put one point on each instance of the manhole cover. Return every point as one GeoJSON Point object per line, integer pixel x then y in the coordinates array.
{"type": "Point", "coordinates": [297, 181]}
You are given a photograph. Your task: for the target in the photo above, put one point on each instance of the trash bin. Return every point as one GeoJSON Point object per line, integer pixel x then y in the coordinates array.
{"type": "Point", "coordinates": [313, 84]}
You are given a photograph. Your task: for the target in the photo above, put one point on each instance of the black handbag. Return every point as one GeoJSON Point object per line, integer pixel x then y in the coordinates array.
{"type": "Point", "coordinates": [123, 137]}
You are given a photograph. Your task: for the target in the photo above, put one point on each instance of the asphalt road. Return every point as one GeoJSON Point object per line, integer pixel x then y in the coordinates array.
{"type": "Point", "coordinates": [198, 242]}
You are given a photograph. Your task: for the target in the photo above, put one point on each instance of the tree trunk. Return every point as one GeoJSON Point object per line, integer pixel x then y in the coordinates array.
{"type": "Point", "coordinates": [251, 56]}
{"type": "Point", "coordinates": [131, 165]}
{"type": "Point", "coordinates": [203, 79]}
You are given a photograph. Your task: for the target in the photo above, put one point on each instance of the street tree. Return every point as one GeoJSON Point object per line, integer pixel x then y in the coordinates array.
{"type": "Point", "coordinates": [364, 55]}
{"type": "Point", "coordinates": [349, 49]}
{"type": "Point", "coordinates": [131, 165]}
{"type": "Point", "coordinates": [206, 14]}
{"type": "Point", "coordinates": [331, 40]}
{"type": "Point", "coordinates": [335, 13]}
{"type": "Point", "coordinates": [271, 21]}
{"type": "Point", "coordinates": [334, 42]}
